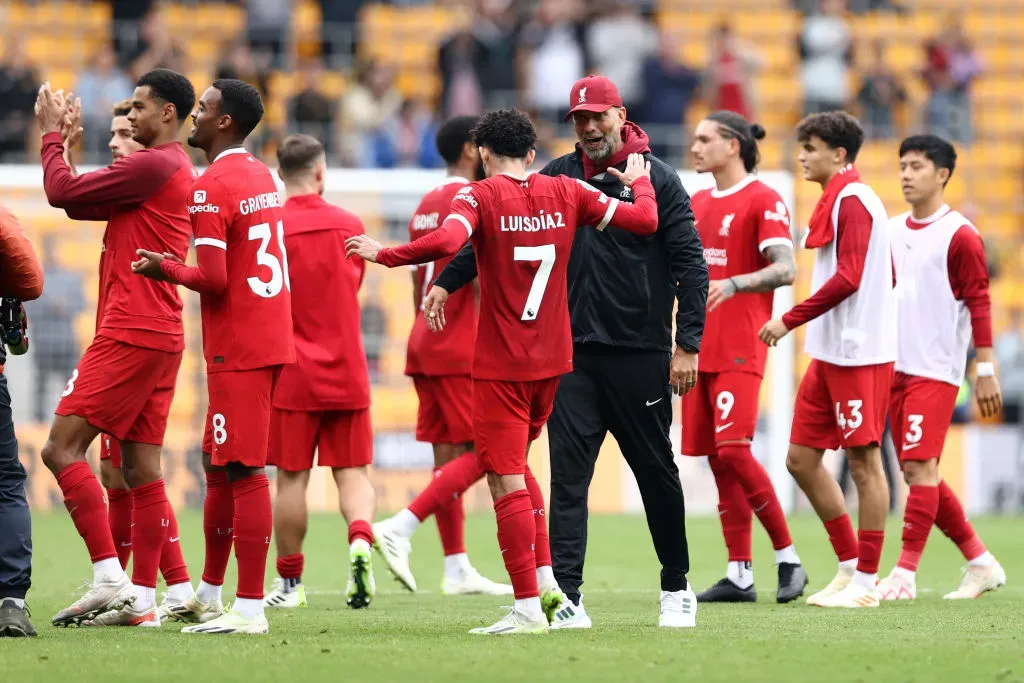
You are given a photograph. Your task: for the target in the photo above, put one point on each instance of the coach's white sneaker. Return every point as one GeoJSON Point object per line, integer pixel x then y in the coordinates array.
{"type": "Point", "coordinates": [103, 595]}
{"type": "Point", "coordinates": [513, 623]}
{"type": "Point", "coordinates": [283, 597]}
{"type": "Point", "coordinates": [571, 616]}
{"type": "Point", "coordinates": [127, 616]}
{"type": "Point", "coordinates": [841, 581]}
{"type": "Point", "coordinates": [196, 612]}
{"type": "Point", "coordinates": [899, 585]}
{"type": "Point", "coordinates": [470, 582]}
{"type": "Point", "coordinates": [978, 580]}
{"type": "Point", "coordinates": [854, 596]}
{"type": "Point", "coordinates": [395, 549]}
{"type": "Point", "coordinates": [231, 623]}
{"type": "Point", "coordinates": [678, 609]}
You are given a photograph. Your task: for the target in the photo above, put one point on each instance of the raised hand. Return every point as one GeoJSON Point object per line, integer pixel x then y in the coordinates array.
{"type": "Point", "coordinates": [636, 167]}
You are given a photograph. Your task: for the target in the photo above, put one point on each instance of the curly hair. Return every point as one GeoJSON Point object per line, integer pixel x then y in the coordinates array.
{"type": "Point", "coordinates": [171, 86]}
{"type": "Point", "coordinates": [122, 108]}
{"type": "Point", "coordinates": [506, 132]}
{"type": "Point", "coordinates": [836, 129]}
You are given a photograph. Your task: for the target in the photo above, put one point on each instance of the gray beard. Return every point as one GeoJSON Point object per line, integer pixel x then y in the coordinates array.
{"type": "Point", "coordinates": [604, 152]}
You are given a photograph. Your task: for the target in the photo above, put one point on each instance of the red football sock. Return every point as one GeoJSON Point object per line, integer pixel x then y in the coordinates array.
{"type": "Point", "coordinates": [760, 492]}
{"type": "Point", "coordinates": [253, 526]}
{"type": "Point", "coordinates": [843, 538]}
{"type": "Point", "coordinates": [218, 518]}
{"type": "Point", "coordinates": [869, 550]}
{"type": "Point", "coordinates": [952, 521]}
{"type": "Point", "coordinates": [290, 566]}
{"type": "Point", "coordinates": [172, 562]}
{"type": "Point", "coordinates": [83, 497]}
{"type": "Point", "coordinates": [451, 524]}
{"type": "Point", "coordinates": [733, 511]}
{"type": "Point", "coordinates": [516, 533]}
{"type": "Point", "coordinates": [541, 544]}
{"type": "Point", "coordinates": [360, 529]}
{"type": "Point", "coordinates": [449, 481]}
{"type": "Point", "coordinates": [918, 518]}
{"type": "Point", "coordinates": [119, 517]}
{"type": "Point", "coordinates": [151, 521]}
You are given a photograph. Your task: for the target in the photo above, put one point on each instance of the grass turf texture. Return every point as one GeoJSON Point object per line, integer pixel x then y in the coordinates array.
{"type": "Point", "coordinates": [423, 637]}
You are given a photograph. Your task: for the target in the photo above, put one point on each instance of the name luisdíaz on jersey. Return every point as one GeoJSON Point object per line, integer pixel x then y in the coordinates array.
{"type": "Point", "coordinates": [542, 221]}
{"type": "Point", "coordinates": [267, 200]}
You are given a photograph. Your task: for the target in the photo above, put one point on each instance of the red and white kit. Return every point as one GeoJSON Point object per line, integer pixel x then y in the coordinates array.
{"type": "Point", "coordinates": [736, 226]}
{"type": "Point", "coordinates": [322, 400]}
{"type": "Point", "coordinates": [440, 363]}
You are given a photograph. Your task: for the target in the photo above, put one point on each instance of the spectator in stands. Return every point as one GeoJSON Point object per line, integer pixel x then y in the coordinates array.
{"type": "Point", "coordinates": [310, 111]}
{"type": "Point", "coordinates": [880, 93]}
{"type": "Point", "coordinates": [401, 137]}
{"type": "Point", "coordinates": [669, 85]}
{"type": "Point", "coordinates": [18, 85]}
{"type": "Point", "coordinates": [619, 41]}
{"type": "Point", "coordinates": [338, 38]}
{"type": "Point", "coordinates": [55, 347]}
{"type": "Point", "coordinates": [477, 64]}
{"type": "Point", "coordinates": [127, 16]}
{"type": "Point", "coordinates": [267, 28]}
{"type": "Point", "coordinates": [1009, 350]}
{"type": "Point", "coordinates": [371, 100]}
{"type": "Point", "coordinates": [826, 49]}
{"type": "Point", "coordinates": [374, 323]}
{"type": "Point", "coordinates": [729, 78]}
{"type": "Point", "coordinates": [951, 66]}
{"type": "Point", "coordinates": [155, 47]}
{"type": "Point", "coordinates": [551, 57]}
{"type": "Point", "coordinates": [237, 60]}
{"type": "Point", "coordinates": [100, 86]}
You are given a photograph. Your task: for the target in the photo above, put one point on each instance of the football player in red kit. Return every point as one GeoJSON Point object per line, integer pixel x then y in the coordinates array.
{"type": "Point", "coordinates": [440, 364]}
{"type": "Point", "coordinates": [242, 280]}
{"type": "Point", "coordinates": [851, 339]}
{"type": "Point", "coordinates": [942, 287]}
{"type": "Point", "coordinates": [124, 383]}
{"type": "Point", "coordinates": [522, 228]}
{"type": "Point", "coordinates": [744, 227]}
{"type": "Point", "coordinates": [322, 400]}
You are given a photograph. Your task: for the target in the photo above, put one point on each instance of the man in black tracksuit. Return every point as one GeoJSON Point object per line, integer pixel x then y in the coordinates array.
{"type": "Point", "coordinates": [621, 292]}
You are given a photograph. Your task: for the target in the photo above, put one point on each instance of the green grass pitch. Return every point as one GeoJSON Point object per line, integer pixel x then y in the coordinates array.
{"type": "Point", "coordinates": [422, 637]}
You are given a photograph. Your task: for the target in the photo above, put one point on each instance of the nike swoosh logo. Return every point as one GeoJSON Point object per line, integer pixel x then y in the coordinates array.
{"type": "Point", "coordinates": [908, 447]}
{"type": "Point", "coordinates": [651, 403]}
{"type": "Point", "coordinates": [174, 540]}
{"type": "Point", "coordinates": [126, 545]}
{"type": "Point", "coordinates": [720, 428]}
{"type": "Point", "coordinates": [847, 434]}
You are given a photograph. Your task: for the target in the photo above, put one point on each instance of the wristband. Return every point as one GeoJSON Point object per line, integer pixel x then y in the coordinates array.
{"type": "Point", "coordinates": [985, 369]}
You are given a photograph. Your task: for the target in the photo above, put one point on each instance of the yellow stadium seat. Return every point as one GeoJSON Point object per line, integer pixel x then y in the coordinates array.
{"type": "Point", "coordinates": [691, 23]}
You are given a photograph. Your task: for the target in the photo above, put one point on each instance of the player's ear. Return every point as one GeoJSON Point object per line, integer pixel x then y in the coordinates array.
{"type": "Point", "coordinates": [168, 113]}
{"type": "Point", "coordinates": [530, 156]}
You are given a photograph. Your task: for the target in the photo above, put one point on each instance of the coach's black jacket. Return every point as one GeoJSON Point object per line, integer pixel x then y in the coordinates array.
{"type": "Point", "coordinates": [621, 285]}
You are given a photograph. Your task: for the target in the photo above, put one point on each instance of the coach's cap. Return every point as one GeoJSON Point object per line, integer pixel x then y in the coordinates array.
{"type": "Point", "coordinates": [593, 93]}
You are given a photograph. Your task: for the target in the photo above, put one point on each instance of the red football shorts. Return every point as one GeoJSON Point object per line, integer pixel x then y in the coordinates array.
{"type": "Point", "coordinates": [110, 449]}
{"type": "Point", "coordinates": [240, 415]}
{"type": "Point", "coordinates": [339, 438]}
{"type": "Point", "coordinates": [722, 407]}
{"type": "Point", "coordinates": [920, 411]}
{"type": "Point", "coordinates": [445, 414]}
{"type": "Point", "coordinates": [123, 390]}
{"type": "Point", "coordinates": [507, 417]}
{"type": "Point", "coordinates": [208, 431]}
{"type": "Point", "coordinates": [841, 406]}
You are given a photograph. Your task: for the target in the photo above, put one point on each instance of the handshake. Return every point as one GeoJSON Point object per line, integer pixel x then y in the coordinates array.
{"type": "Point", "coordinates": [14, 325]}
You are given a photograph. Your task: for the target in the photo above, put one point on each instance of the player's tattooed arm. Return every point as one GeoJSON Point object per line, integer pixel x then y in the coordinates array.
{"type": "Point", "coordinates": [780, 273]}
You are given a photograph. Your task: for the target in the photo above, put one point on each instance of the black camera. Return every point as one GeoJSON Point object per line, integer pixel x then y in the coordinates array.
{"type": "Point", "coordinates": [14, 325]}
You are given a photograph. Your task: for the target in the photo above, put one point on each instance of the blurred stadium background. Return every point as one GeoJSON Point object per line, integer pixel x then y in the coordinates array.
{"type": "Point", "coordinates": [373, 80]}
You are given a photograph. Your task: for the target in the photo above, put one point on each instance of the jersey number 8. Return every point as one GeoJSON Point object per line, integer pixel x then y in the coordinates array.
{"type": "Point", "coordinates": [278, 269]}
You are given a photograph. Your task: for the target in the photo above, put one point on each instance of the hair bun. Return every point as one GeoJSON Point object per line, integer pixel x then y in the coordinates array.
{"type": "Point", "coordinates": [757, 130]}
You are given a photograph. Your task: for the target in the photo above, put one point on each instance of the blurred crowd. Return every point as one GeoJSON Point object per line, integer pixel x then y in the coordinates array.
{"type": "Point", "coordinates": [518, 53]}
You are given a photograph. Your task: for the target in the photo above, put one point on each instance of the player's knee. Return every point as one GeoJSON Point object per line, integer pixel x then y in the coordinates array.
{"type": "Point", "coordinates": [54, 457]}
{"type": "Point", "coordinates": [921, 473]}
{"type": "Point", "coordinates": [799, 463]}
{"type": "Point", "coordinates": [110, 477]}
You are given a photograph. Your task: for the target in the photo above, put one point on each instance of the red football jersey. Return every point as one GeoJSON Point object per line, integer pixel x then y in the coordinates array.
{"type": "Point", "coordinates": [449, 352]}
{"type": "Point", "coordinates": [235, 206]}
{"type": "Point", "coordinates": [736, 226]}
{"type": "Point", "coordinates": [330, 371]}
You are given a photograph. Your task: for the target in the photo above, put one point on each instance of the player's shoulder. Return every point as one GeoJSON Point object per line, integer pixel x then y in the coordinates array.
{"type": "Point", "coordinates": [762, 191]}
{"type": "Point", "coordinates": [448, 187]}
{"type": "Point", "coordinates": [701, 196]}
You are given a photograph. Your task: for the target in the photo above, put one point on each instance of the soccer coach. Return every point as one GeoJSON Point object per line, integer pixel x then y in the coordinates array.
{"type": "Point", "coordinates": [21, 279]}
{"type": "Point", "coordinates": [621, 293]}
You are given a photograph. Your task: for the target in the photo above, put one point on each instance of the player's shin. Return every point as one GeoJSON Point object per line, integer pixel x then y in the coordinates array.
{"type": "Point", "coordinates": [151, 514]}
{"type": "Point", "coordinates": [451, 517]}
{"type": "Point", "coordinates": [119, 517]}
{"type": "Point", "coordinates": [218, 520]}
{"type": "Point", "coordinates": [358, 500]}
{"type": "Point", "coordinates": [83, 497]}
{"type": "Point", "coordinates": [873, 494]}
{"type": "Point", "coordinates": [516, 533]}
{"type": "Point", "coordinates": [952, 521]}
{"type": "Point", "coordinates": [253, 525]}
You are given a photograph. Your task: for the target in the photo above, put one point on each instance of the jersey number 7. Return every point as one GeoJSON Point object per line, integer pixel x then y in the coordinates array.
{"type": "Point", "coordinates": [546, 255]}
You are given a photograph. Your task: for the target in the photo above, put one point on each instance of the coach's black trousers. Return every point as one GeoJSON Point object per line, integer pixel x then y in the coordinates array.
{"type": "Point", "coordinates": [15, 522]}
{"type": "Point", "coordinates": [625, 392]}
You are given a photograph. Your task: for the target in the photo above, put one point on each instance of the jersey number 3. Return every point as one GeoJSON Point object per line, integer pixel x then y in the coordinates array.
{"type": "Point", "coordinates": [546, 255]}
{"type": "Point", "coordinates": [278, 269]}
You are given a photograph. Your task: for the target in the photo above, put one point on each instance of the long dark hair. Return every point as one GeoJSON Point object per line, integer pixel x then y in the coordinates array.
{"type": "Point", "coordinates": [733, 126]}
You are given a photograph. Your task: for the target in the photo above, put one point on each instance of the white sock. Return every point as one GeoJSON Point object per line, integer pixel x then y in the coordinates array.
{"type": "Point", "coordinates": [848, 564]}
{"type": "Point", "coordinates": [405, 523]}
{"type": "Point", "coordinates": [145, 598]}
{"type": "Point", "coordinates": [741, 574]}
{"type": "Point", "coordinates": [905, 573]}
{"type": "Point", "coordinates": [248, 607]}
{"type": "Point", "coordinates": [530, 606]}
{"type": "Point", "coordinates": [205, 593]}
{"type": "Point", "coordinates": [986, 559]}
{"type": "Point", "coordinates": [866, 580]}
{"type": "Point", "coordinates": [546, 578]}
{"type": "Point", "coordinates": [787, 555]}
{"type": "Point", "coordinates": [359, 543]}
{"type": "Point", "coordinates": [18, 602]}
{"type": "Point", "coordinates": [180, 591]}
{"type": "Point", "coordinates": [455, 566]}
{"type": "Point", "coordinates": [109, 569]}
